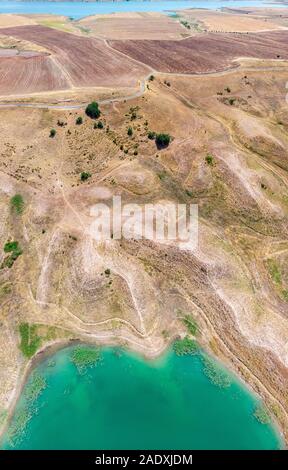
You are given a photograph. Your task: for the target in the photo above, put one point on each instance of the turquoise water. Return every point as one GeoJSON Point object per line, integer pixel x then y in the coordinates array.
{"type": "Point", "coordinates": [80, 9]}
{"type": "Point", "coordinates": [125, 402]}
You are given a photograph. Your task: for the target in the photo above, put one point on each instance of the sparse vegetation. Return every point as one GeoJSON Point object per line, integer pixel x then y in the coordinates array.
{"type": "Point", "coordinates": [84, 357]}
{"type": "Point", "coordinates": [29, 340]}
{"type": "Point", "coordinates": [191, 325]}
{"type": "Point", "coordinates": [133, 112]}
{"type": "Point", "coordinates": [92, 110]}
{"type": "Point", "coordinates": [185, 24]}
{"type": "Point", "coordinates": [151, 78]}
{"type": "Point", "coordinates": [285, 294]}
{"type": "Point", "coordinates": [162, 175]}
{"type": "Point", "coordinates": [52, 133]}
{"type": "Point", "coordinates": [20, 420]}
{"type": "Point", "coordinates": [215, 373]}
{"type": "Point", "coordinates": [185, 346]}
{"type": "Point", "coordinates": [79, 121]}
{"type": "Point", "coordinates": [274, 271]}
{"type": "Point", "coordinates": [130, 131]}
{"type": "Point", "coordinates": [262, 414]}
{"type": "Point", "coordinates": [17, 204]}
{"type": "Point", "coordinates": [34, 387]}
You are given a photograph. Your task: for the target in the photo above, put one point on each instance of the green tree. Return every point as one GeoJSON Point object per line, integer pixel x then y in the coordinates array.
{"type": "Point", "coordinates": [85, 175]}
{"type": "Point", "coordinates": [17, 203]}
{"type": "Point", "coordinates": [93, 110]}
{"type": "Point", "coordinates": [163, 140]}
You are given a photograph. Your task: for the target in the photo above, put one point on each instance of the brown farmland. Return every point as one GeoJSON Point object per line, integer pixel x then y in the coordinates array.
{"type": "Point", "coordinates": [37, 73]}
{"type": "Point", "coordinates": [134, 26]}
{"type": "Point", "coordinates": [205, 53]}
{"type": "Point", "coordinates": [83, 62]}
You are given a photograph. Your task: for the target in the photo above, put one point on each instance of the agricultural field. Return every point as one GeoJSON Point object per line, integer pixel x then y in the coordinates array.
{"type": "Point", "coordinates": [72, 61]}
{"type": "Point", "coordinates": [134, 26]}
{"type": "Point", "coordinates": [228, 21]}
{"type": "Point", "coordinates": [205, 53]}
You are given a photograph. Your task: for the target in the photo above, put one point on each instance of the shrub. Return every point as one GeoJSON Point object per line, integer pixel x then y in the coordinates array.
{"type": "Point", "coordinates": [11, 246]}
{"type": "Point", "coordinates": [14, 249]}
{"type": "Point", "coordinates": [100, 125]}
{"type": "Point", "coordinates": [209, 159]}
{"type": "Point", "coordinates": [85, 175]}
{"type": "Point", "coordinates": [52, 133]}
{"type": "Point", "coordinates": [17, 203]}
{"type": "Point", "coordinates": [151, 78]}
{"type": "Point", "coordinates": [79, 120]}
{"type": "Point", "coordinates": [93, 110]}
{"type": "Point", "coordinates": [163, 140]}
{"type": "Point", "coordinates": [151, 135]}
{"type": "Point", "coordinates": [130, 131]}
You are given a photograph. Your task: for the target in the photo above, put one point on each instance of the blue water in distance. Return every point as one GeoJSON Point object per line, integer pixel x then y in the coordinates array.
{"type": "Point", "coordinates": [78, 10]}
{"type": "Point", "coordinates": [126, 402]}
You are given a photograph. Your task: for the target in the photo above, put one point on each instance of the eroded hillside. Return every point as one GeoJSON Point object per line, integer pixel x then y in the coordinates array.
{"type": "Point", "coordinates": [228, 154]}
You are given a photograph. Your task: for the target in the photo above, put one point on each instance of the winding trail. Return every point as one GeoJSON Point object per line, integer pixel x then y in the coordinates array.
{"type": "Point", "coordinates": [136, 94]}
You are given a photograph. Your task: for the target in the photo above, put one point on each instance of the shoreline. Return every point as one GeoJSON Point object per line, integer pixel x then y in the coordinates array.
{"type": "Point", "coordinates": [52, 348]}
